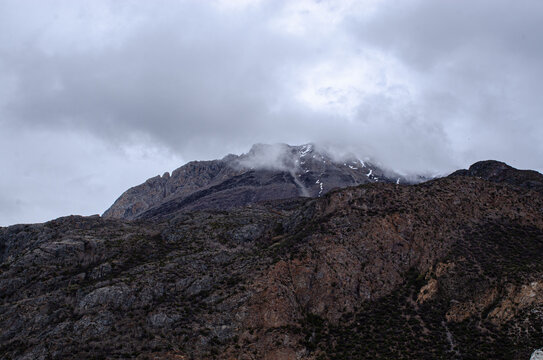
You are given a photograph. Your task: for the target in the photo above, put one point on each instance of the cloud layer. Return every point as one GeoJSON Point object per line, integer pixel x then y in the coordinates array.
{"type": "Point", "coordinates": [418, 86]}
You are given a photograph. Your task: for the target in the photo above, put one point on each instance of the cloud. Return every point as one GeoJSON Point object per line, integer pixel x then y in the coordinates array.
{"type": "Point", "coordinates": [269, 157]}
{"type": "Point", "coordinates": [186, 81]}
{"type": "Point", "coordinates": [205, 82]}
{"type": "Point", "coordinates": [474, 67]}
{"type": "Point", "coordinates": [47, 174]}
{"type": "Point", "coordinates": [417, 86]}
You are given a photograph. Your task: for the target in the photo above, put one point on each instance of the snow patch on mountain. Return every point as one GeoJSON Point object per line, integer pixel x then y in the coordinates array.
{"type": "Point", "coordinates": [537, 355]}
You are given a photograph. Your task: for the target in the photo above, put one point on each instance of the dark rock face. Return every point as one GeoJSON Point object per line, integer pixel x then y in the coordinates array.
{"type": "Point", "coordinates": [449, 269]}
{"type": "Point", "coordinates": [267, 172]}
{"type": "Point", "coordinates": [501, 172]}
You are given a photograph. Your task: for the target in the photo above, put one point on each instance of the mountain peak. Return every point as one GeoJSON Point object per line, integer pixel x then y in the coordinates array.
{"type": "Point", "coordinates": [498, 171]}
{"type": "Point", "coordinates": [266, 172]}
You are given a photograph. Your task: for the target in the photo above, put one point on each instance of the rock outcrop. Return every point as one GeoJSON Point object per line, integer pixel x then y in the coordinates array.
{"type": "Point", "coordinates": [501, 172]}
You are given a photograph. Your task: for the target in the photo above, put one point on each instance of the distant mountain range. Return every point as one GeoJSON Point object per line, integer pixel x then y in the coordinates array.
{"type": "Point", "coordinates": [285, 253]}
{"type": "Point", "coordinates": [266, 172]}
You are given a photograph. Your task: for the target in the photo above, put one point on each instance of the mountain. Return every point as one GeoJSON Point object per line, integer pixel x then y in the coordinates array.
{"type": "Point", "coordinates": [446, 269]}
{"type": "Point", "coordinates": [266, 172]}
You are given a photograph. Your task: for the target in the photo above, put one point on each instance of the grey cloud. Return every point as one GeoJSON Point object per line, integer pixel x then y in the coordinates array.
{"type": "Point", "coordinates": [183, 82]}
{"type": "Point", "coordinates": [203, 85]}
{"type": "Point", "coordinates": [429, 33]}
{"type": "Point", "coordinates": [476, 67]}
{"type": "Point", "coordinates": [450, 83]}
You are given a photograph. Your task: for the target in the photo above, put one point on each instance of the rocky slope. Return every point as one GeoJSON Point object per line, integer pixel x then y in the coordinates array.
{"type": "Point", "coordinates": [266, 172]}
{"type": "Point", "coordinates": [447, 269]}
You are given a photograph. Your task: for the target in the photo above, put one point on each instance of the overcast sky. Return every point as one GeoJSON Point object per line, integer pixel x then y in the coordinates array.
{"type": "Point", "coordinates": [97, 96]}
